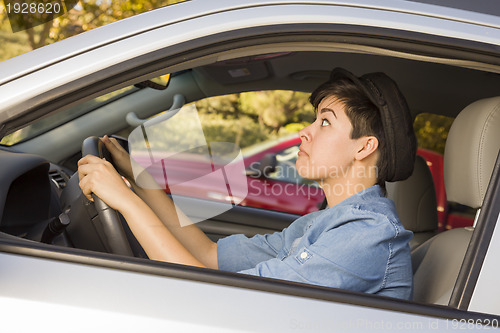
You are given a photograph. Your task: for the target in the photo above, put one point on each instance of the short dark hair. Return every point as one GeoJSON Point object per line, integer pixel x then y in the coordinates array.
{"type": "Point", "coordinates": [362, 113]}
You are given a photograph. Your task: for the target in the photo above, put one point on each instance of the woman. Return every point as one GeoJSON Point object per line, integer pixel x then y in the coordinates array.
{"type": "Point", "coordinates": [361, 138]}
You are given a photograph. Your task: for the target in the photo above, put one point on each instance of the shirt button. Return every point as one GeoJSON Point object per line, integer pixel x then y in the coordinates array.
{"type": "Point", "coordinates": [303, 255]}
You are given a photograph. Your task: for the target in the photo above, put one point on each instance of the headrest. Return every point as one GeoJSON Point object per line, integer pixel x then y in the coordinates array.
{"type": "Point", "coordinates": [471, 151]}
{"type": "Point", "coordinates": [400, 141]}
{"type": "Point", "coordinates": [415, 199]}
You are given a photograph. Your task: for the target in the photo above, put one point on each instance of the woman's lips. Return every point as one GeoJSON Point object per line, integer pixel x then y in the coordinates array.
{"type": "Point", "coordinates": [302, 152]}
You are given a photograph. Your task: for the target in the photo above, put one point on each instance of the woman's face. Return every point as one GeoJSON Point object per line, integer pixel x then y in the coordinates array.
{"type": "Point", "coordinates": [327, 151]}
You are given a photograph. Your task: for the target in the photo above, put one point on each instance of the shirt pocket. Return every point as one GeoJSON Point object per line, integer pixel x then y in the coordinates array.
{"type": "Point", "coordinates": [303, 256]}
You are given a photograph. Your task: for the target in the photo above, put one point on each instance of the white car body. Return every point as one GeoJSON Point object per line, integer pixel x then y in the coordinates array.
{"type": "Point", "coordinates": [77, 291]}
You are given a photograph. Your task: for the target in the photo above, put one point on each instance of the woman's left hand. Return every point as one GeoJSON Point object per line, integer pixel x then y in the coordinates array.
{"type": "Point", "coordinates": [98, 176]}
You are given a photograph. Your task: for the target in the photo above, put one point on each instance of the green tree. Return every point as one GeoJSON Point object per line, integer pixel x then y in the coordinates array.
{"type": "Point", "coordinates": [87, 15]}
{"type": "Point", "coordinates": [432, 131]}
{"type": "Point", "coordinates": [276, 109]}
{"type": "Point", "coordinates": [227, 106]}
{"type": "Point", "coordinates": [11, 44]}
{"type": "Point", "coordinates": [252, 117]}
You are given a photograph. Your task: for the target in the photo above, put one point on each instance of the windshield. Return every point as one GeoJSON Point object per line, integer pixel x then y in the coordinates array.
{"type": "Point", "coordinates": [47, 123]}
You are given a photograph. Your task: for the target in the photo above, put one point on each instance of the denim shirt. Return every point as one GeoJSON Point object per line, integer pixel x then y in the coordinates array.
{"type": "Point", "coordinates": [358, 244]}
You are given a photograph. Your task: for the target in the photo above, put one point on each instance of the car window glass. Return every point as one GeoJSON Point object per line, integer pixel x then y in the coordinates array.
{"type": "Point", "coordinates": [205, 136]}
{"type": "Point", "coordinates": [432, 131]}
{"type": "Point", "coordinates": [46, 124]}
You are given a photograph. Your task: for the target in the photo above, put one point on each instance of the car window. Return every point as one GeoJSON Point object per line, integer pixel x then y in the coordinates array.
{"type": "Point", "coordinates": [46, 124]}
{"type": "Point", "coordinates": [432, 131]}
{"type": "Point", "coordinates": [207, 135]}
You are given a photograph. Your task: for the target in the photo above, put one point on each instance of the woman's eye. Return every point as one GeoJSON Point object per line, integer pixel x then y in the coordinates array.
{"type": "Point", "coordinates": [325, 122]}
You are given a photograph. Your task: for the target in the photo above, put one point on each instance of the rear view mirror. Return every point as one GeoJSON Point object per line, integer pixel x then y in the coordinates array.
{"type": "Point", "coordinates": [158, 83]}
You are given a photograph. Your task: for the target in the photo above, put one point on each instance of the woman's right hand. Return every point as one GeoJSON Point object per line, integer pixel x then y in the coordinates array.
{"type": "Point", "coordinates": [121, 158]}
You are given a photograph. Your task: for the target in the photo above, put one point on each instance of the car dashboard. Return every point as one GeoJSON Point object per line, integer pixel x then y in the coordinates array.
{"type": "Point", "coordinates": [30, 188]}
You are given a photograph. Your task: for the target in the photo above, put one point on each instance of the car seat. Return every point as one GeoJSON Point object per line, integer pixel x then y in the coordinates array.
{"type": "Point", "coordinates": [471, 150]}
{"type": "Point", "coordinates": [416, 204]}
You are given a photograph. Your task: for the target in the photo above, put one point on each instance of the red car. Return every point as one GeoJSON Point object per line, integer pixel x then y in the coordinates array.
{"type": "Point", "coordinates": [449, 215]}
{"type": "Point", "coordinates": [273, 181]}
{"type": "Point", "coordinates": [266, 178]}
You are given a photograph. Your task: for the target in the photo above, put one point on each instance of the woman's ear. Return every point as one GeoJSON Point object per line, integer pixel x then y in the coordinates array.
{"type": "Point", "coordinates": [367, 147]}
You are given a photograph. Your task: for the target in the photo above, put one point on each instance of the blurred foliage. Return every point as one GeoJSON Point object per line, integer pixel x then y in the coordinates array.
{"type": "Point", "coordinates": [11, 44]}
{"type": "Point", "coordinates": [243, 131]}
{"type": "Point", "coordinates": [276, 109]}
{"type": "Point", "coordinates": [87, 15]}
{"type": "Point", "coordinates": [432, 131]}
{"type": "Point", "coordinates": [253, 117]}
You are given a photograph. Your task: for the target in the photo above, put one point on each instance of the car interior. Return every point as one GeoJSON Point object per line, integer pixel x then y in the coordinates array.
{"type": "Point", "coordinates": [464, 90]}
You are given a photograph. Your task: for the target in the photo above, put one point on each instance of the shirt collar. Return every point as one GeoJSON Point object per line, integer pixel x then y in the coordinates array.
{"type": "Point", "coordinates": [374, 191]}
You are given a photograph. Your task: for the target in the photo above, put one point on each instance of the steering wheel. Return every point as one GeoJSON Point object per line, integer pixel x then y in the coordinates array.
{"type": "Point", "coordinates": [110, 228]}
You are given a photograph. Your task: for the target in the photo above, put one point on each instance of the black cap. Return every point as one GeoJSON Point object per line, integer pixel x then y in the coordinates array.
{"type": "Point", "coordinates": [400, 140]}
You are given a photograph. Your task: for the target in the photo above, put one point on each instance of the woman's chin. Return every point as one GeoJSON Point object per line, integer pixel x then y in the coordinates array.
{"type": "Point", "coordinates": [308, 176]}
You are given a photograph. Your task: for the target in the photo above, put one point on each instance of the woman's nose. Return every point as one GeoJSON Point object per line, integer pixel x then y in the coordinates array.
{"type": "Point", "coordinates": [305, 134]}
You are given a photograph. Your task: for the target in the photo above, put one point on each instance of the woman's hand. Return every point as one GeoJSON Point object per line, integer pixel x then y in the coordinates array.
{"type": "Point", "coordinates": [98, 176]}
{"type": "Point", "coordinates": [121, 158]}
